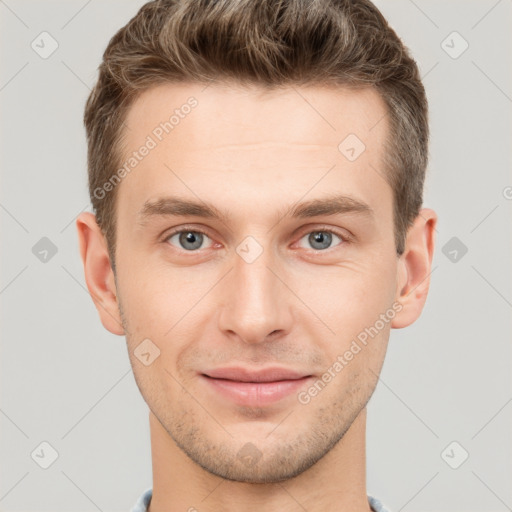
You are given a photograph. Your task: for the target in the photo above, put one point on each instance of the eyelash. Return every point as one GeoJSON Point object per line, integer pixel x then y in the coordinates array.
{"type": "Point", "coordinates": [346, 239]}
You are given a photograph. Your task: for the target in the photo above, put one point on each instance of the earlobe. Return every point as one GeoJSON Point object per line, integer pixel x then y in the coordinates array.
{"type": "Point", "coordinates": [99, 275]}
{"type": "Point", "coordinates": [414, 269]}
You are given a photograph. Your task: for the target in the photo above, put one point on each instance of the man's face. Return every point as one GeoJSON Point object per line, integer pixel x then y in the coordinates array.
{"type": "Point", "coordinates": [261, 289]}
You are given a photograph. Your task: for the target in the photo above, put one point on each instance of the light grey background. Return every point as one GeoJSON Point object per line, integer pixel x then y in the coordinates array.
{"type": "Point", "coordinates": [67, 381]}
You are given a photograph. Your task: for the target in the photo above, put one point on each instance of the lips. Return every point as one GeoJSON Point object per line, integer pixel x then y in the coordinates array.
{"type": "Point", "coordinates": [254, 387]}
{"type": "Point", "coordinates": [246, 375]}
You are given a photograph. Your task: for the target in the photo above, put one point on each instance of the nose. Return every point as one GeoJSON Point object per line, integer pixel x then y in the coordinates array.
{"type": "Point", "coordinates": [256, 302]}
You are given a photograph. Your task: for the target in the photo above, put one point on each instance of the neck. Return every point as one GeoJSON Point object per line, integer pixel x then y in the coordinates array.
{"type": "Point", "coordinates": [337, 482]}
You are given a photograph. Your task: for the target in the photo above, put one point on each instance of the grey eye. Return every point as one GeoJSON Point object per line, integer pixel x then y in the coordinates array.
{"type": "Point", "coordinates": [320, 240]}
{"type": "Point", "coordinates": [189, 240]}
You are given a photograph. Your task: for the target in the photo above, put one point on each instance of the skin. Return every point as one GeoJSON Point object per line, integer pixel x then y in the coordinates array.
{"type": "Point", "coordinates": [254, 154]}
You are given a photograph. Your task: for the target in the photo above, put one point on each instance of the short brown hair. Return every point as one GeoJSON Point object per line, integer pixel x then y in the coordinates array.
{"type": "Point", "coordinates": [269, 43]}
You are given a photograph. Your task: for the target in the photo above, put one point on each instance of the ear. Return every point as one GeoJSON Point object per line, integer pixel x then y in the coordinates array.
{"type": "Point", "coordinates": [414, 268]}
{"type": "Point", "coordinates": [99, 275]}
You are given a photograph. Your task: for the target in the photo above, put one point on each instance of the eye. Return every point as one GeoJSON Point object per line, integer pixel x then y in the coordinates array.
{"type": "Point", "coordinates": [322, 239]}
{"type": "Point", "coordinates": [188, 239]}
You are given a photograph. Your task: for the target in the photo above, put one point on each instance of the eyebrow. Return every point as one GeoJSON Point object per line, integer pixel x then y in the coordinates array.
{"type": "Point", "coordinates": [180, 207]}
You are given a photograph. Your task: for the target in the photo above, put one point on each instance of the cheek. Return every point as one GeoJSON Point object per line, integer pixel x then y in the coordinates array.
{"type": "Point", "coordinates": [150, 295]}
{"type": "Point", "coordinates": [163, 306]}
{"type": "Point", "coordinates": [349, 297]}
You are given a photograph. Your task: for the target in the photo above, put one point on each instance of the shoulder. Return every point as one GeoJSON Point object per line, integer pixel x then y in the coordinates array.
{"type": "Point", "coordinates": [143, 501]}
{"type": "Point", "coordinates": [377, 505]}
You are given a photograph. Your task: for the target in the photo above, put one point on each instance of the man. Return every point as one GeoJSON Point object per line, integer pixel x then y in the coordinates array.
{"type": "Point", "coordinates": [256, 171]}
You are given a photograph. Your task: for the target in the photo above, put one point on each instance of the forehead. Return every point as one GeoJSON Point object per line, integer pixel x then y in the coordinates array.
{"type": "Point", "coordinates": [289, 140]}
{"type": "Point", "coordinates": [311, 115]}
